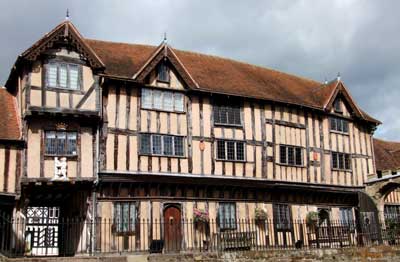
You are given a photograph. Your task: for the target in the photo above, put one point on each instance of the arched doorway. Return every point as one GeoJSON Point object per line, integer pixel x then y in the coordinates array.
{"type": "Point", "coordinates": [172, 227]}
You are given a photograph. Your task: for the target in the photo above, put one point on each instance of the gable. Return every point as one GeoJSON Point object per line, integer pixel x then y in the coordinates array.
{"type": "Point", "coordinates": [64, 34]}
{"type": "Point", "coordinates": [164, 54]}
{"type": "Point", "coordinates": [341, 94]}
{"type": "Point", "coordinates": [173, 81]}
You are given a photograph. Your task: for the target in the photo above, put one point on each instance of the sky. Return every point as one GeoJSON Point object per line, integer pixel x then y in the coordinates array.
{"type": "Point", "coordinates": [313, 39]}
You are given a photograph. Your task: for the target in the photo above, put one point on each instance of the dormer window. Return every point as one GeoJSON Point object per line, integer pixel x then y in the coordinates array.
{"type": "Point", "coordinates": [163, 72]}
{"type": "Point", "coordinates": [63, 75]}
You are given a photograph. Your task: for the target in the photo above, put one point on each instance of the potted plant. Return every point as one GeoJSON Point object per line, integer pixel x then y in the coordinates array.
{"type": "Point", "coordinates": [312, 219]}
{"type": "Point", "coordinates": [260, 214]}
{"type": "Point", "coordinates": [200, 215]}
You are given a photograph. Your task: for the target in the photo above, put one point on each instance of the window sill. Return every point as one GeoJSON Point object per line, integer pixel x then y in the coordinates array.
{"type": "Point", "coordinates": [65, 90]}
{"type": "Point", "coordinates": [47, 156]}
{"type": "Point", "coordinates": [163, 81]}
{"type": "Point", "coordinates": [228, 125]}
{"type": "Point", "coordinates": [342, 170]}
{"type": "Point", "coordinates": [166, 156]}
{"type": "Point", "coordinates": [233, 161]}
{"type": "Point", "coordinates": [339, 132]}
{"type": "Point", "coordinates": [163, 110]}
{"type": "Point", "coordinates": [129, 233]}
{"type": "Point", "coordinates": [289, 165]}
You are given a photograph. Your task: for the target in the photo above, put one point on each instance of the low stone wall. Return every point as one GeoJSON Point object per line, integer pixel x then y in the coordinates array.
{"type": "Point", "coordinates": [377, 253]}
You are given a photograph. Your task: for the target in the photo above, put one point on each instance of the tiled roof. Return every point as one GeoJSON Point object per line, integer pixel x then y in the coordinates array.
{"type": "Point", "coordinates": [9, 124]}
{"type": "Point", "coordinates": [221, 75]}
{"type": "Point", "coordinates": [387, 155]}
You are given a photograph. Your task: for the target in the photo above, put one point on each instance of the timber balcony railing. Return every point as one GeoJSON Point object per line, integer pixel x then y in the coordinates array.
{"type": "Point", "coordinates": [69, 237]}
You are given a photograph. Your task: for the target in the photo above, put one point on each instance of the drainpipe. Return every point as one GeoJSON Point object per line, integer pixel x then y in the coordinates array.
{"type": "Point", "coordinates": [96, 171]}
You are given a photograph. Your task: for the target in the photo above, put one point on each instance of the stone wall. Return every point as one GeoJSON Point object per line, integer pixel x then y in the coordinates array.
{"type": "Point", "coordinates": [377, 253]}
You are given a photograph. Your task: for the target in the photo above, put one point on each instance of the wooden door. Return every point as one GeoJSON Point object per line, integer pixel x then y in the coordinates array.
{"type": "Point", "coordinates": [172, 229]}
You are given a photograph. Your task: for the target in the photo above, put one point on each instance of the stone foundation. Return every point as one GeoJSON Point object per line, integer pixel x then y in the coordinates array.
{"type": "Point", "coordinates": [377, 253]}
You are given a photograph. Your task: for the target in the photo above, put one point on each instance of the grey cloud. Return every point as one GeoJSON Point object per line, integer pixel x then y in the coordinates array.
{"type": "Point", "coordinates": [314, 39]}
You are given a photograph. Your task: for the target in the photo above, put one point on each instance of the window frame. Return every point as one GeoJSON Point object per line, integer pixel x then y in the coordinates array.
{"type": "Point", "coordinates": [131, 222]}
{"type": "Point", "coordinates": [66, 143]}
{"type": "Point", "coordinates": [226, 141]}
{"type": "Point", "coordinates": [59, 63]}
{"type": "Point", "coordinates": [174, 102]}
{"type": "Point", "coordinates": [278, 222]}
{"type": "Point", "coordinates": [341, 155]}
{"type": "Point", "coordinates": [295, 149]}
{"type": "Point", "coordinates": [173, 155]}
{"type": "Point", "coordinates": [343, 123]}
{"type": "Point", "coordinates": [337, 106]}
{"type": "Point", "coordinates": [220, 105]}
{"type": "Point", "coordinates": [225, 224]}
{"type": "Point", "coordinates": [163, 64]}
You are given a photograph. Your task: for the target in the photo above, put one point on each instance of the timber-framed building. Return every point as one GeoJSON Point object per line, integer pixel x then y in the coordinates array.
{"type": "Point", "coordinates": [123, 131]}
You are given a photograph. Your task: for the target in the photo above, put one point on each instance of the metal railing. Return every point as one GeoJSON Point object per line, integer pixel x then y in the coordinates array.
{"type": "Point", "coordinates": [68, 237]}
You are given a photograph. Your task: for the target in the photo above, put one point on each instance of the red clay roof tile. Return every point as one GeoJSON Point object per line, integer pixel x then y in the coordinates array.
{"type": "Point", "coordinates": [387, 155]}
{"type": "Point", "coordinates": [9, 124]}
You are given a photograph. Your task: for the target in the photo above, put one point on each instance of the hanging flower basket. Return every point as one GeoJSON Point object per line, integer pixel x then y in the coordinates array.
{"type": "Point", "coordinates": [312, 219]}
{"type": "Point", "coordinates": [260, 214]}
{"type": "Point", "coordinates": [200, 216]}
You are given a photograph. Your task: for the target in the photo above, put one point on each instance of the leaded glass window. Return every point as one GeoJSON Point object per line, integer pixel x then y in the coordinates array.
{"type": "Point", "coordinates": [227, 216]}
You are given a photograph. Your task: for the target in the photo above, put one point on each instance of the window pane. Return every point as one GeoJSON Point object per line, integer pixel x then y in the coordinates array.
{"type": "Point", "coordinates": [61, 139]}
{"type": "Point", "coordinates": [52, 75]}
{"type": "Point", "coordinates": [217, 118]}
{"type": "Point", "coordinates": [347, 161]}
{"type": "Point", "coordinates": [71, 143]}
{"type": "Point", "coordinates": [345, 126]}
{"type": "Point", "coordinates": [163, 74]}
{"type": "Point", "coordinates": [282, 154]}
{"type": "Point", "coordinates": [333, 124]}
{"type": "Point", "coordinates": [168, 102]}
{"type": "Point", "coordinates": [157, 96]}
{"type": "Point", "coordinates": [145, 144]}
{"type": "Point", "coordinates": [221, 149]}
{"type": "Point", "coordinates": [223, 115]}
{"type": "Point", "coordinates": [156, 139]}
{"type": "Point", "coordinates": [231, 115]}
{"type": "Point", "coordinates": [230, 145]}
{"type": "Point", "coordinates": [117, 216]}
{"type": "Point", "coordinates": [146, 98]}
{"type": "Point", "coordinates": [167, 145]}
{"type": "Point", "coordinates": [125, 217]}
{"type": "Point", "coordinates": [74, 77]}
{"type": "Point", "coordinates": [132, 216]}
{"type": "Point", "coordinates": [290, 155]}
{"type": "Point", "coordinates": [334, 160]}
{"type": "Point", "coordinates": [178, 102]}
{"type": "Point", "coordinates": [341, 161]}
{"type": "Point", "coordinates": [299, 159]}
{"type": "Point", "coordinates": [236, 115]}
{"type": "Point", "coordinates": [178, 146]}
{"type": "Point", "coordinates": [62, 75]}
{"type": "Point", "coordinates": [50, 141]}
{"type": "Point", "coordinates": [239, 151]}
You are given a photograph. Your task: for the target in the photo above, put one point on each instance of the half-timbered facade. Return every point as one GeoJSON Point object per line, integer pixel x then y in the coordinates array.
{"type": "Point", "coordinates": [124, 132]}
